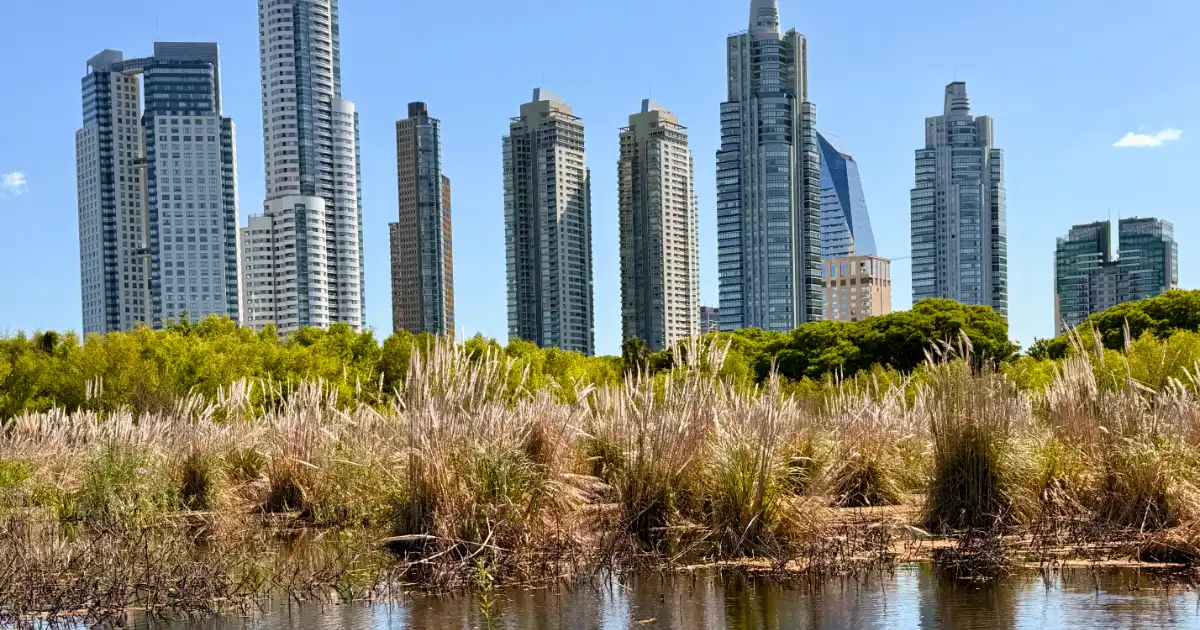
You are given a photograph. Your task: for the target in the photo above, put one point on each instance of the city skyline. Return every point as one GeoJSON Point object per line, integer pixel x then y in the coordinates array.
{"type": "Point", "coordinates": [984, 90]}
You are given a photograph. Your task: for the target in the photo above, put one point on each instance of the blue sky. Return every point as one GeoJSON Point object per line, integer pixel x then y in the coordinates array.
{"type": "Point", "coordinates": [1064, 79]}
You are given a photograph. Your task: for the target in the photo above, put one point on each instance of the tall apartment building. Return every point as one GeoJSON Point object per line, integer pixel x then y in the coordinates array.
{"type": "Point", "coordinates": [158, 224]}
{"type": "Point", "coordinates": [768, 181]}
{"type": "Point", "coordinates": [959, 230]}
{"type": "Point", "coordinates": [302, 258]}
{"type": "Point", "coordinates": [845, 223]}
{"type": "Point", "coordinates": [1088, 279]}
{"type": "Point", "coordinates": [660, 256]}
{"type": "Point", "coordinates": [857, 287]}
{"type": "Point", "coordinates": [422, 266]}
{"type": "Point", "coordinates": [548, 227]}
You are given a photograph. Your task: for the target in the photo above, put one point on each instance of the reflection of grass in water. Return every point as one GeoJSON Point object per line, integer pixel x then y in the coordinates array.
{"type": "Point", "coordinates": [169, 571]}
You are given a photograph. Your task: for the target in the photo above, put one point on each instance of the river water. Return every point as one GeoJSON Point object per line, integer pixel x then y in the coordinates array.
{"type": "Point", "coordinates": [915, 596]}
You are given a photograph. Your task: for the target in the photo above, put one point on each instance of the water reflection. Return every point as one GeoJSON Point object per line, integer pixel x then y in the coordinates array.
{"type": "Point", "coordinates": [914, 597]}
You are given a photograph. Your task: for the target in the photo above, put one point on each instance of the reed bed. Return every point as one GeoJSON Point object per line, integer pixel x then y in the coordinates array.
{"type": "Point", "coordinates": [461, 472]}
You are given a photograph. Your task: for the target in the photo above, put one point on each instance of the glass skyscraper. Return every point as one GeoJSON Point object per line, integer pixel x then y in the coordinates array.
{"type": "Point", "coordinates": [959, 229]}
{"type": "Point", "coordinates": [422, 266]}
{"type": "Point", "coordinates": [1088, 279]}
{"type": "Point", "coordinates": [845, 224]}
{"type": "Point", "coordinates": [158, 224]}
{"type": "Point", "coordinates": [768, 181]}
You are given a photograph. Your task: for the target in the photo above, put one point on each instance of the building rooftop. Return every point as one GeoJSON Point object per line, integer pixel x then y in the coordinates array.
{"type": "Point", "coordinates": [542, 94]}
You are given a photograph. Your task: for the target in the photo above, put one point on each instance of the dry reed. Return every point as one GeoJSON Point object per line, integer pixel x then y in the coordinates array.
{"type": "Point", "coordinates": [466, 468]}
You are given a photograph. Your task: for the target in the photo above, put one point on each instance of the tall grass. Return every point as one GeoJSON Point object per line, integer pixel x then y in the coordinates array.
{"type": "Point", "coordinates": [980, 469]}
{"type": "Point", "coordinates": [466, 462]}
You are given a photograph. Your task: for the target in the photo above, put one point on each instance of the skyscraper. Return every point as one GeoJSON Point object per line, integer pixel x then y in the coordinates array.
{"type": "Point", "coordinates": [845, 224]}
{"type": "Point", "coordinates": [959, 229]}
{"type": "Point", "coordinates": [303, 261]}
{"type": "Point", "coordinates": [660, 258]}
{"type": "Point", "coordinates": [548, 227]}
{"type": "Point", "coordinates": [158, 224]}
{"type": "Point", "coordinates": [1088, 279]}
{"type": "Point", "coordinates": [422, 267]}
{"type": "Point", "coordinates": [768, 181]}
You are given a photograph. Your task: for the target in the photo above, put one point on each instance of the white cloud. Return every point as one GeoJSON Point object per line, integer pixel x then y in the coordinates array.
{"type": "Point", "coordinates": [12, 184]}
{"type": "Point", "coordinates": [1132, 139]}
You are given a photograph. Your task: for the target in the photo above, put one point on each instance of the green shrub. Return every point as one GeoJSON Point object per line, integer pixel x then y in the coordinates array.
{"type": "Point", "coordinates": [121, 482]}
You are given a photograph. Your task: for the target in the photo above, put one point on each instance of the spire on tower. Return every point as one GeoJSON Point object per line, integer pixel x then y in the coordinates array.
{"type": "Point", "coordinates": [764, 17]}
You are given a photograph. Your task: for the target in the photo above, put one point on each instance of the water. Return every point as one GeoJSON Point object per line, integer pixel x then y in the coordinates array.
{"type": "Point", "coordinates": [914, 597]}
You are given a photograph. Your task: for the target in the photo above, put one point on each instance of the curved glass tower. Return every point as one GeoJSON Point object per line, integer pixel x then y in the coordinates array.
{"type": "Point", "coordinates": [845, 224]}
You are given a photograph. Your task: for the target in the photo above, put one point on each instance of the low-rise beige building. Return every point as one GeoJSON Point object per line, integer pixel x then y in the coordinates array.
{"type": "Point", "coordinates": [857, 287]}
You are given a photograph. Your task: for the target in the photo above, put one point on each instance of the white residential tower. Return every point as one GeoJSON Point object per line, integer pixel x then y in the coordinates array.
{"type": "Point", "coordinates": [158, 224]}
{"type": "Point", "coordinates": [548, 227]}
{"type": "Point", "coordinates": [302, 259]}
{"type": "Point", "coordinates": [660, 268]}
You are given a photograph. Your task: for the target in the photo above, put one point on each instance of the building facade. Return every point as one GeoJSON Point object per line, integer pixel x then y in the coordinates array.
{"type": "Point", "coordinates": [959, 228]}
{"type": "Point", "coordinates": [1088, 279]}
{"type": "Point", "coordinates": [660, 256]}
{"type": "Point", "coordinates": [710, 319]}
{"type": "Point", "coordinates": [302, 258]}
{"type": "Point", "coordinates": [857, 287]}
{"type": "Point", "coordinates": [768, 181]}
{"type": "Point", "coordinates": [422, 264]}
{"type": "Point", "coordinates": [548, 227]}
{"type": "Point", "coordinates": [158, 218]}
{"type": "Point", "coordinates": [845, 224]}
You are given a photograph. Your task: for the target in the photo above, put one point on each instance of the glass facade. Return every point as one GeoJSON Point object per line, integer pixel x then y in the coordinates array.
{"type": "Point", "coordinates": [422, 279]}
{"type": "Point", "coordinates": [768, 182]}
{"type": "Point", "coordinates": [171, 227]}
{"type": "Point", "coordinates": [1088, 279]}
{"type": "Point", "coordinates": [958, 210]}
{"type": "Point", "coordinates": [845, 224]}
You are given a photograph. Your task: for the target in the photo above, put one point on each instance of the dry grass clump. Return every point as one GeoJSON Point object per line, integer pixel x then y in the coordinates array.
{"type": "Point", "coordinates": [878, 454]}
{"type": "Point", "coordinates": [1143, 486]}
{"type": "Point", "coordinates": [741, 482]}
{"type": "Point", "coordinates": [649, 441]}
{"type": "Point", "coordinates": [981, 474]}
{"type": "Point", "coordinates": [1138, 444]}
